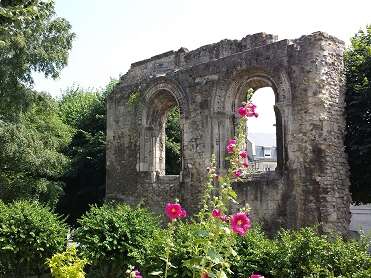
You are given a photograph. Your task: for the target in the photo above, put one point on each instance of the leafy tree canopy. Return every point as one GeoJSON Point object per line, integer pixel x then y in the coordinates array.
{"type": "Point", "coordinates": [358, 101]}
{"type": "Point", "coordinates": [31, 162]}
{"type": "Point", "coordinates": [32, 38]}
{"type": "Point", "coordinates": [85, 112]}
{"type": "Point", "coordinates": [32, 135]}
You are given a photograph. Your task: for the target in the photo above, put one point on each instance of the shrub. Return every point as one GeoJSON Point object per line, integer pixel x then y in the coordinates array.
{"type": "Point", "coordinates": [112, 237]}
{"type": "Point", "coordinates": [67, 264]}
{"type": "Point", "coordinates": [301, 253]}
{"type": "Point", "coordinates": [29, 234]}
{"type": "Point", "coordinates": [194, 244]}
{"type": "Point", "coordinates": [257, 253]}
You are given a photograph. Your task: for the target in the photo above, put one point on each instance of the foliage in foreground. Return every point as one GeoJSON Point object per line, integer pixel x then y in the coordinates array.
{"type": "Point", "coordinates": [112, 237]}
{"type": "Point", "coordinates": [301, 253]}
{"type": "Point", "coordinates": [292, 254]}
{"type": "Point", "coordinates": [67, 264]}
{"type": "Point", "coordinates": [29, 234]}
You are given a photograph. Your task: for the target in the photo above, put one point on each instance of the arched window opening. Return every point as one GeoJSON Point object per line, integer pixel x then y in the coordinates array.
{"type": "Point", "coordinates": [173, 142]}
{"type": "Point", "coordinates": [163, 135]}
{"type": "Point", "coordinates": [261, 138]}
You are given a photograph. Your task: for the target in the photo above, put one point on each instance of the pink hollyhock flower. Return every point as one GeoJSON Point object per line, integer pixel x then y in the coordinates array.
{"type": "Point", "coordinates": [224, 218]}
{"type": "Point", "coordinates": [232, 142]}
{"type": "Point", "coordinates": [243, 154]}
{"type": "Point", "coordinates": [230, 148]}
{"type": "Point", "coordinates": [240, 223]}
{"type": "Point", "coordinates": [216, 213]}
{"type": "Point", "coordinates": [237, 173]}
{"type": "Point", "coordinates": [174, 211]}
{"type": "Point", "coordinates": [242, 111]}
{"type": "Point", "coordinates": [204, 275]}
{"type": "Point", "coordinates": [137, 274]}
{"type": "Point", "coordinates": [250, 110]}
{"type": "Point", "coordinates": [245, 163]}
{"type": "Point", "coordinates": [183, 214]}
{"type": "Point", "coordinates": [256, 276]}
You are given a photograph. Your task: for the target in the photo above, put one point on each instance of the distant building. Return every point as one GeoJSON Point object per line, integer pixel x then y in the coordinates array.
{"type": "Point", "coordinates": [262, 152]}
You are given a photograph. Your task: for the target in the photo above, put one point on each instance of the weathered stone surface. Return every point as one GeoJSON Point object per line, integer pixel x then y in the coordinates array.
{"type": "Point", "coordinates": [310, 185]}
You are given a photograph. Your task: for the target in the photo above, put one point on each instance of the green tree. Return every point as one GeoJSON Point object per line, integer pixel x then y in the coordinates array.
{"type": "Point", "coordinates": [31, 162]}
{"type": "Point", "coordinates": [358, 112]}
{"type": "Point", "coordinates": [32, 38]}
{"type": "Point", "coordinates": [85, 112]}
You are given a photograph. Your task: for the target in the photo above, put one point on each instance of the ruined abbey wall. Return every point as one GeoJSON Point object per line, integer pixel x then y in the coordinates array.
{"type": "Point", "coordinates": [310, 184]}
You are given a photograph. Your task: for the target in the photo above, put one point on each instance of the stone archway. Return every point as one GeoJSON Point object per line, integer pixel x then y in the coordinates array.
{"type": "Point", "coordinates": [159, 97]}
{"type": "Point", "coordinates": [306, 74]}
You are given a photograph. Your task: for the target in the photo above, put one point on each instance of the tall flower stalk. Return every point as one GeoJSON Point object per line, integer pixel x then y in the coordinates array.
{"type": "Point", "coordinates": [211, 254]}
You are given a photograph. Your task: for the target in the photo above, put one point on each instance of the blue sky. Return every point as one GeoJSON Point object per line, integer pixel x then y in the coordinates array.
{"type": "Point", "coordinates": [112, 34]}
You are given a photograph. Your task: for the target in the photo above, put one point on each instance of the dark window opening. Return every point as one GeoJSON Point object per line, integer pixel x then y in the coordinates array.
{"type": "Point", "coordinates": [173, 142]}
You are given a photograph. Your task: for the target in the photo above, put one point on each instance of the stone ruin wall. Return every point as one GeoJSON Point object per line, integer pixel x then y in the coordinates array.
{"type": "Point", "coordinates": [310, 184]}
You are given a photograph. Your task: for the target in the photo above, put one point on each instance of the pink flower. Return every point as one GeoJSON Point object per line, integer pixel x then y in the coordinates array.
{"type": "Point", "coordinates": [237, 173]}
{"type": "Point", "coordinates": [242, 111]}
{"type": "Point", "coordinates": [243, 154]}
{"type": "Point", "coordinates": [256, 276]}
{"type": "Point", "coordinates": [216, 213]}
{"type": "Point", "coordinates": [137, 274]}
{"type": "Point", "coordinates": [248, 110]}
{"type": "Point", "coordinates": [231, 145]}
{"type": "Point", "coordinates": [240, 223]}
{"type": "Point", "coordinates": [224, 218]}
{"type": "Point", "coordinates": [245, 163]}
{"type": "Point", "coordinates": [232, 142]}
{"type": "Point", "coordinates": [204, 275]}
{"type": "Point", "coordinates": [174, 211]}
{"type": "Point", "coordinates": [230, 148]}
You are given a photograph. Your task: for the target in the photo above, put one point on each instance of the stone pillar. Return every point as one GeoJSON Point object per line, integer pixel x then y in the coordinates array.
{"type": "Point", "coordinates": [317, 161]}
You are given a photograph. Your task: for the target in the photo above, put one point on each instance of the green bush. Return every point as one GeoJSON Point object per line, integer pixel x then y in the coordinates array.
{"type": "Point", "coordinates": [112, 237]}
{"type": "Point", "coordinates": [67, 264]}
{"type": "Point", "coordinates": [257, 253]}
{"type": "Point", "coordinates": [193, 244]}
{"type": "Point", "coordinates": [29, 234]}
{"type": "Point", "coordinates": [301, 253]}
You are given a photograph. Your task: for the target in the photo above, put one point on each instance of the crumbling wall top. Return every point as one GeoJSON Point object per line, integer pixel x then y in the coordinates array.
{"type": "Point", "coordinates": [173, 60]}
